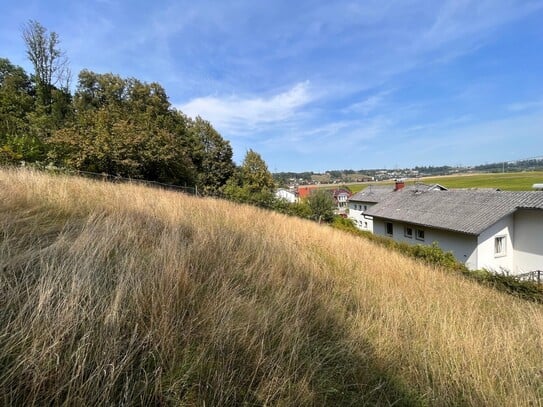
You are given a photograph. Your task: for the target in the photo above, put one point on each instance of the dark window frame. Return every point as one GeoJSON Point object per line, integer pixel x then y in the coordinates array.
{"type": "Point", "coordinates": [389, 229]}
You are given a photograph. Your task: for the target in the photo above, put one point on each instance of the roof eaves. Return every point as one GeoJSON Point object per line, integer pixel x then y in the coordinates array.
{"type": "Point", "coordinates": [473, 233]}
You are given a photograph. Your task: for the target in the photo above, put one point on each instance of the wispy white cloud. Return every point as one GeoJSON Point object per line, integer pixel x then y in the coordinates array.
{"type": "Point", "coordinates": [471, 19]}
{"type": "Point", "coordinates": [368, 105]}
{"type": "Point", "coordinates": [239, 115]}
{"type": "Point", "coordinates": [464, 141]}
{"type": "Point", "coordinates": [329, 78]}
{"type": "Point", "coordinates": [441, 125]}
{"type": "Point", "coordinates": [340, 138]}
{"type": "Point", "coordinates": [526, 105]}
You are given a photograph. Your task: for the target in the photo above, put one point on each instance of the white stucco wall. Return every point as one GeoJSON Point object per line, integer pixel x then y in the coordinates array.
{"type": "Point", "coordinates": [463, 246]}
{"type": "Point", "coordinates": [342, 200]}
{"type": "Point", "coordinates": [486, 257]}
{"type": "Point", "coordinates": [286, 195]}
{"type": "Point", "coordinates": [523, 234]}
{"type": "Point", "coordinates": [528, 240]}
{"type": "Point", "coordinates": [357, 215]}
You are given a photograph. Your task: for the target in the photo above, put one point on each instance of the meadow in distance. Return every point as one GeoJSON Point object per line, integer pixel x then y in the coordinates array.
{"type": "Point", "coordinates": [509, 181]}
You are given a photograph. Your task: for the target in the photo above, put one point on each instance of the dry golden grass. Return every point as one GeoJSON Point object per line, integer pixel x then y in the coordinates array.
{"type": "Point", "coordinates": [120, 294]}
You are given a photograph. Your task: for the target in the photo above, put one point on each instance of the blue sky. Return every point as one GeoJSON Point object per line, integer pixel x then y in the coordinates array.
{"type": "Point", "coordinates": [321, 85]}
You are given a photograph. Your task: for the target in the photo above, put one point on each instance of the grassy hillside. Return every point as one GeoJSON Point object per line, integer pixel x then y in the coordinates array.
{"type": "Point", "coordinates": [509, 181]}
{"type": "Point", "coordinates": [120, 294]}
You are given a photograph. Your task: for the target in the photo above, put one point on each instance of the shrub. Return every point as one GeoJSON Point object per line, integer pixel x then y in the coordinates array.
{"type": "Point", "coordinates": [433, 255]}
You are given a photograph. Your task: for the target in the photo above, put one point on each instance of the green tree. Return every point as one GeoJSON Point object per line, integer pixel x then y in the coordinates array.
{"type": "Point", "coordinates": [212, 156]}
{"type": "Point", "coordinates": [16, 104]}
{"type": "Point", "coordinates": [322, 205]}
{"type": "Point", "coordinates": [255, 174]}
{"type": "Point", "coordinates": [252, 182]}
{"type": "Point", "coordinates": [124, 127]}
{"type": "Point", "coordinates": [15, 98]}
{"type": "Point", "coordinates": [49, 61]}
{"type": "Point", "coordinates": [51, 78]}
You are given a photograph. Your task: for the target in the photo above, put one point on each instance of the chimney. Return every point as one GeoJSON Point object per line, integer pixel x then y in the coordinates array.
{"type": "Point", "coordinates": [399, 184]}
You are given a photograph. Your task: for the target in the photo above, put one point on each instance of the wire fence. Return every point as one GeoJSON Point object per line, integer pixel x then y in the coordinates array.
{"type": "Point", "coordinates": [534, 276]}
{"type": "Point", "coordinates": [119, 179]}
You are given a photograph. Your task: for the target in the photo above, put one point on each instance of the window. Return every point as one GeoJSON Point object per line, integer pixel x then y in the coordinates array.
{"type": "Point", "coordinates": [499, 246]}
{"type": "Point", "coordinates": [408, 232]}
{"type": "Point", "coordinates": [365, 207]}
{"type": "Point", "coordinates": [420, 234]}
{"type": "Point", "coordinates": [365, 225]}
{"type": "Point", "coordinates": [389, 228]}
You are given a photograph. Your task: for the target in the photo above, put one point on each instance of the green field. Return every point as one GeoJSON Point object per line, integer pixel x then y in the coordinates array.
{"type": "Point", "coordinates": [513, 181]}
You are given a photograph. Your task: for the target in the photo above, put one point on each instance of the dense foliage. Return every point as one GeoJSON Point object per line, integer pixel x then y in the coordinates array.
{"type": "Point", "coordinates": [114, 125]}
{"type": "Point", "coordinates": [322, 205]}
{"type": "Point", "coordinates": [252, 182]}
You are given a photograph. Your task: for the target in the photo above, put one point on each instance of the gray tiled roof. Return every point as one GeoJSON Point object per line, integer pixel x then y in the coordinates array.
{"type": "Point", "coordinates": [376, 194]}
{"type": "Point", "coordinates": [372, 194]}
{"type": "Point", "coordinates": [467, 211]}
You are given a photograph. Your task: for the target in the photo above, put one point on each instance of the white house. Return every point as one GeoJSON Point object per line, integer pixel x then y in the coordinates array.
{"type": "Point", "coordinates": [360, 202]}
{"type": "Point", "coordinates": [494, 230]}
{"type": "Point", "coordinates": [287, 195]}
{"type": "Point", "coordinates": [341, 199]}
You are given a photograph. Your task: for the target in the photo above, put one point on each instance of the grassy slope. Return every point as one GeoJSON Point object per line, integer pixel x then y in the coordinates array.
{"type": "Point", "coordinates": [509, 181]}
{"type": "Point", "coordinates": [118, 294]}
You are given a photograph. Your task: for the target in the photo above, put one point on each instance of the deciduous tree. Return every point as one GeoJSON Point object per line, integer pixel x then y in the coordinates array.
{"type": "Point", "coordinates": [49, 61]}
{"type": "Point", "coordinates": [124, 127]}
{"type": "Point", "coordinates": [212, 156]}
{"type": "Point", "coordinates": [252, 182]}
{"type": "Point", "coordinates": [16, 105]}
{"type": "Point", "coordinates": [322, 205]}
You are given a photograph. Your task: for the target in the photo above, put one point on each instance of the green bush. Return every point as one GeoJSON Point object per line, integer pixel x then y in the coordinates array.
{"type": "Point", "coordinates": [298, 209]}
{"type": "Point", "coordinates": [501, 281]}
{"type": "Point", "coordinates": [435, 256]}
{"type": "Point", "coordinates": [342, 223]}
{"type": "Point", "coordinates": [8, 156]}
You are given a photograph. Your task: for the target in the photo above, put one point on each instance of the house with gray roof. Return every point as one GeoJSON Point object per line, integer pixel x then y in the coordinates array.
{"type": "Point", "coordinates": [495, 230]}
{"type": "Point", "coordinates": [362, 201]}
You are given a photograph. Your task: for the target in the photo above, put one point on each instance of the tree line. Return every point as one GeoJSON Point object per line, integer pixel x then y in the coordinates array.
{"type": "Point", "coordinates": [118, 126]}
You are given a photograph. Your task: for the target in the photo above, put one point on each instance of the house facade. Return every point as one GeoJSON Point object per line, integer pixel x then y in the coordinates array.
{"type": "Point", "coordinates": [287, 195]}
{"type": "Point", "coordinates": [341, 199]}
{"type": "Point", "coordinates": [463, 246]}
{"type": "Point", "coordinates": [494, 230]}
{"type": "Point", "coordinates": [528, 247]}
{"type": "Point", "coordinates": [362, 201]}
